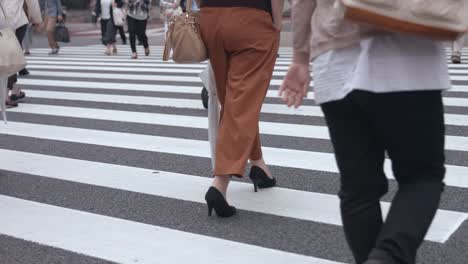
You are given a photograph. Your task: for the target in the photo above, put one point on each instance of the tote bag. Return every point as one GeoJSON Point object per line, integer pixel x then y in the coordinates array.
{"type": "Point", "coordinates": [438, 19]}
{"type": "Point", "coordinates": [184, 39]}
{"type": "Point", "coordinates": [119, 16]}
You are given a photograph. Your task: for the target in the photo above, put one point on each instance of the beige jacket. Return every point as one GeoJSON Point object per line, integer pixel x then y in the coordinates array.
{"type": "Point", "coordinates": [318, 27]}
{"type": "Point", "coordinates": [15, 13]}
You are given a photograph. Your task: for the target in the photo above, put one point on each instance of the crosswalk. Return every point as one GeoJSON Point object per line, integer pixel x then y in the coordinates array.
{"type": "Point", "coordinates": [107, 160]}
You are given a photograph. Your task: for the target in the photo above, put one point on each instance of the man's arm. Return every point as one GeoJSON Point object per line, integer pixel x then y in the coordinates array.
{"type": "Point", "coordinates": [302, 11]}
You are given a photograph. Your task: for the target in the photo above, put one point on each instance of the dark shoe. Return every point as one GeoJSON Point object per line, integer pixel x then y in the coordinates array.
{"type": "Point", "coordinates": [215, 200]}
{"type": "Point", "coordinates": [204, 97]}
{"type": "Point", "coordinates": [27, 53]}
{"type": "Point", "coordinates": [11, 104]}
{"type": "Point", "coordinates": [23, 72]}
{"type": "Point", "coordinates": [54, 51]}
{"type": "Point", "coordinates": [260, 179]}
{"type": "Point", "coordinates": [147, 52]}
{"type": "Point", "coordinates": [456, 59]}
{"type": "Point", "coordinates": [16, 97]}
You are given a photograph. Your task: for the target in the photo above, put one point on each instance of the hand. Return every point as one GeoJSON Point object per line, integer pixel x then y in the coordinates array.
{"type": "Point", "coordinates": [37, 27]}
{"type": "Point", "coordinates": [60, 18]}
{"type": "Point", "coordinates": [296, 84]}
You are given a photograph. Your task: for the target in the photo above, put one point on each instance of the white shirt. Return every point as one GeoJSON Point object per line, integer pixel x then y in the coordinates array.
{"type": "Point", "coordinates": [106, 9]}
{"type": "Point", "coordinates": [381, 64]}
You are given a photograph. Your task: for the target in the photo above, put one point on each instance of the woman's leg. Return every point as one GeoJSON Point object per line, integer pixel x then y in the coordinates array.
{"type": "Point", "coordinates": [122, 35]}
{"type": "Point", "coordinates": [103, 30]}
{"type": "Point", "coordinates": [132, 33]}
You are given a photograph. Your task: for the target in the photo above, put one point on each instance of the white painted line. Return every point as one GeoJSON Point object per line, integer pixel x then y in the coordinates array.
{"type": "Point", "coordinates": [125, 241]}
{"type": "Point", "coordinates": [310, 206]}
{"type": "Point", "coordinates": [187, 89]}
{"type": "Point", "coordinates": [113, 86]}
{"type": "Point", "coordinates": [308, 160]}
{"type": "Point", "coordinates": [269, 128]}
{"type": "Point", "coordinates": [142, 77]}
{"type": "Point", "coordinates": [451, 119]}
{"type": "Point", "coordinates": [128, 69]}
{"type": "Point", "coordinates": [128, 64]}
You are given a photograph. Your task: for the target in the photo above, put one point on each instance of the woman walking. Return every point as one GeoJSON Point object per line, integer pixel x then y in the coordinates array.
{"type": "Point", "coordinates": [137, 19]}
{"type": "Point", "coordinates": [104, 10]}
{"type": "Point", "coordinates": [242, 41]}
{"type": "Point", "coordinates": [370, 89]}
{"type": "Point", "coordinates": [18, 20]}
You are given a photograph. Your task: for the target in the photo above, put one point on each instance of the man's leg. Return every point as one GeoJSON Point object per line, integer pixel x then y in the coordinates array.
{"type": "Point", "coordinates": [412, 127]}
{"type": "Point", "coordinates": [360, 156]}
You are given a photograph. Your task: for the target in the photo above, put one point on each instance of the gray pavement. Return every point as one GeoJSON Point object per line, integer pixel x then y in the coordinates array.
{"type": "Point", "coordinates": [63, 121]}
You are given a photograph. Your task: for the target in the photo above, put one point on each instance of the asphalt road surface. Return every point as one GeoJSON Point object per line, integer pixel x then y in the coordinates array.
{"type": "Point", "coordinates": [107, 160]}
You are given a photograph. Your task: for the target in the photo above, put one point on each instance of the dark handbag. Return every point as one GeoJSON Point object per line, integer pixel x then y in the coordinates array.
{"type": "Point", "coordinates": [61, 33]}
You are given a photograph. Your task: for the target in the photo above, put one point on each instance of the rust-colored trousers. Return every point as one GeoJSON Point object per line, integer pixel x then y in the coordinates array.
{"type": "Point", "coordinates": [242, 45]}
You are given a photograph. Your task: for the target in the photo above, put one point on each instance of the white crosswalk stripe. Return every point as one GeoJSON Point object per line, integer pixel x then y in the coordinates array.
{"type": "Point", "coordinates": [66, 94]}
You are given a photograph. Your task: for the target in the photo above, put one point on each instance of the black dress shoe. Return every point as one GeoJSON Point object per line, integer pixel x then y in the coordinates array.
{"type": "Point", "coordinates": [23, 72]}
{"type": "Point", "coordinates": [215, 200]}
{"type": "Point", "coordinates": [260, 179]}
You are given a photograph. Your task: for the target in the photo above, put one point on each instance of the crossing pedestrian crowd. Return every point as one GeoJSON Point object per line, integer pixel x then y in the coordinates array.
{"type": "Point", "coordinates": [379, 87]}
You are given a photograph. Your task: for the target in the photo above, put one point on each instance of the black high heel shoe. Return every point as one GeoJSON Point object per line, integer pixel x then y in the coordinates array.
{"type": "Point", "coordinates": [215, 200]}
{"type": "Point", "coordinates": [260, 179]}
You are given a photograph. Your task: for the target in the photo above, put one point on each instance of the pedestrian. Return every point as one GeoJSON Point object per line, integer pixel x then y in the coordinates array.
{"type": "Point", "coordinates": [28, 37]}
{"type": "Point", "coordinates": [369, 86]}
{"type": "Point", "coordinates": [137, 19]}
{"type": "Point", "coordinates": [242, 41]}
{"type": "Point", "coordinates": [104, 12]}
{"type": "Point", "coordinates": [53, 13]}
{"type": "Point", "coordinates": [18, 19]}
{"type": "Point", "coordinates": [457, 47]}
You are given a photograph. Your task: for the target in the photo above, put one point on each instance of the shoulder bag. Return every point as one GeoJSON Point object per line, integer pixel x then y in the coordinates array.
{"type": "Point", "coordinates": [184, 40]}
{"type": "Point", "coordinates": [437, 19]}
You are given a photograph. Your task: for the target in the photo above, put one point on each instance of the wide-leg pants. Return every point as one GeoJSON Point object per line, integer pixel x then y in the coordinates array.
{"type": "Point", "coordinates": [242, 45]}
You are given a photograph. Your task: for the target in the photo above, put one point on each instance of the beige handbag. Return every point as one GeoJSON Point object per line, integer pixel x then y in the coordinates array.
{"type": "Point", "coordinates": [439, 19]}
{"type": "Point", "coordinates": [184, 39]}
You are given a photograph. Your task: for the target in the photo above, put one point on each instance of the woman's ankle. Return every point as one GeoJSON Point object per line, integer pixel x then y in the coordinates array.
{"type": "Point", "coordinates": [221, 183]}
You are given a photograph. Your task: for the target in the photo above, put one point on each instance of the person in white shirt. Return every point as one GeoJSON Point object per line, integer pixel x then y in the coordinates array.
{"type": "Point", "coordinates": [381, 95]}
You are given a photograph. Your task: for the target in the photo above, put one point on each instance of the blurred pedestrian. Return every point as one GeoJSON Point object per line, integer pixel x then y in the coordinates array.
{"type": "Point", "coordinates": [242, 40]}
{"type": "Point", "coordinates": [53, 13]}
{"type": "Point", "coordinates": [18, 19]}
{"type": "Point", "coordinates": [137, 19]}
{"type": "Point", "coordinates": [457, 47]}
{"type": "Point", "coordinates": [369, 86]}
{"type": "Point", "coordinates": [104, 12]}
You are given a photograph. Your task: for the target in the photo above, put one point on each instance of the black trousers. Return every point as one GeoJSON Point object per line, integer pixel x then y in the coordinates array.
{"type": "Point", "coordinates": [137, 28]}
{"type": "Point", "coordinates": [122, 34]}
{"type": "Point", "coordinates": [409, 127]}
{"type": "Point", "coordinates": [20, 33]}
{"type": "Point", "coordinates": [108, 31]}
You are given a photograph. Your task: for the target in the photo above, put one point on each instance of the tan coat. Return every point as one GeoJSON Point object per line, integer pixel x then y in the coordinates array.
{"type": "Point", "coordinates": [16, 16]}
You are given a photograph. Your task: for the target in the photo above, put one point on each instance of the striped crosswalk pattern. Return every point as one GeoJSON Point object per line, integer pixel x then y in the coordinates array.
{"type": "Point", "coordinates": [107, 160]}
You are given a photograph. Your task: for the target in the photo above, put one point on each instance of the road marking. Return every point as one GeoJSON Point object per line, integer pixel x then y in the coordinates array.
{"type": "Point", "coordinates": [308, 160]}
{"type": "Point", "coordinates": [270, 128]}
{"type": "Point", "coordinates": [141, 77]}
{"type": "Point", "coordinates": [126, 241]}
{"type": "Point", "coordinates": [310, 206]}
{"type": "Point", "coordinates": [451, 119]}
